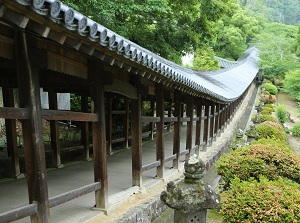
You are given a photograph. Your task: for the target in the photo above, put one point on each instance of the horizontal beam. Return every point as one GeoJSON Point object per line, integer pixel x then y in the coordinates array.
{"type": "Point", "coordinates": [14, 113]}
{"type": "Point", "coordinates": [68, 115]}
{"type": "Point", "coordinates": [19, 213]}
{"type": "Point", "coordinates": [150, 119]}
{"type": "Point", "coordinates": [70, 195]}
{"type": "Point", "coordinates": [170, 158]}
{"type": "Point", "coordinates": [151, 166]}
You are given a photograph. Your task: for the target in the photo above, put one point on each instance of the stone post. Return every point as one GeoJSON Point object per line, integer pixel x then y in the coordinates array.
{"type": "Point", "coordinates": [190, 198]}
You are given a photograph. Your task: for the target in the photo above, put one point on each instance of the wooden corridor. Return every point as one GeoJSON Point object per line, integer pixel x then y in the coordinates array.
{"type": "Point", "coordinates": [48, 47]}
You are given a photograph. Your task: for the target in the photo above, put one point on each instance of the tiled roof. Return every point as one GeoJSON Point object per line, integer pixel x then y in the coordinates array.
{"type": "Point", "coordinates": [223, 86]}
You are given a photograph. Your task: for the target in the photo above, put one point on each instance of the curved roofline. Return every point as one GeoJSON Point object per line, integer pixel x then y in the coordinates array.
{"type": "Point", "coordinates": [223, 86]}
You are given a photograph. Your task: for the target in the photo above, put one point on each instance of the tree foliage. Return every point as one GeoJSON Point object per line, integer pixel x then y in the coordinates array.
{"type": "Point", "coordinates": [169, 28]}
{"type": "Point", "coordinates": [292, 83]}
{"type": "Point", "coordinates": [280, 11]}
{"type": "Point", "coordinates": [204, 59]}
{"type": "Point", "coordinates": [275, 43]}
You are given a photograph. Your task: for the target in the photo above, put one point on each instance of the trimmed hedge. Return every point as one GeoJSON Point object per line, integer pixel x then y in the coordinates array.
{"type": "Point", "coordinates": [264, 118]}
{"type": "Point", "coordinates": [272, 130]}
{"type": "Point", "coordinates": [263, 201]}
{"type": "Point", "coordinates": [271, 88]}
{"type": "Point", "coordinates": [270, 160]}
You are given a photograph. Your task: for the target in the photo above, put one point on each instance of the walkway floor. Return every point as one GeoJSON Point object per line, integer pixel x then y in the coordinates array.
{"type": "Point", "coordinates": [13, 193]}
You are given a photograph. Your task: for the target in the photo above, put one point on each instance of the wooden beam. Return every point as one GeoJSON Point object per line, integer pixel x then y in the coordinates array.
{"type": "Point", "coordinates": [99, 134]}
{"type": "Point", "coordinates": [85, 128]}
{"type": "Point", "coordinates": [199, 126]}
{"type": "Point", "coordinates": [212, 122]}
{"type": "Point", "coordinates": [136, 126]}
{"type": "Point", "coordinates": [35, 161]}
{"type": "Point", "coordinates": [177, 128]}
{"type": "Point", "coordinates": [54, 132]}
{"type": "Point", "coordinates": [206, 124]}
{"type": "Point", "coordinates": [126, 123]}
{"type": "Point", "coordinates": [68, 115]}
{"type": "Point", "coordinates": [189, 131]}
{"type": "Point", "coordinates": [109, 124]}
{"type": "Point", "coordinates": [11, 130]}
{"type": "Point", "coordinates": [160, 147]}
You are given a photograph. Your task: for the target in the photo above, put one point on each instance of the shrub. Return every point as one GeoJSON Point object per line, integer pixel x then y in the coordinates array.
{"type": "Point", "coordinates": [270, 129]}
{"type": "Point", "coordinates": [264, 118]}
{"type": "Point", "coordinates": [269, 106]}
{"type": "Point", "coordinates": [263, 201]}
{"type": "Point", "coordinates": [271, 88]}
{"type": "Point", "coordinates": [270, 99]}
{"type": "Point", "coordinates": [296, 130]}
{"type": "Point", "coordinates": [281, 113]}
{"type": "Point", "coordinates": [272, 142]}
{"type": "Point", "coordinates": [269, 160]}
{"type": "Point", "coordinates": [267, 110]}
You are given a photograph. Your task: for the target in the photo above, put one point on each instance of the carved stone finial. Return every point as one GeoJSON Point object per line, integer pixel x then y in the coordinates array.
{"type": "Point", "coordinates": [191, 194]}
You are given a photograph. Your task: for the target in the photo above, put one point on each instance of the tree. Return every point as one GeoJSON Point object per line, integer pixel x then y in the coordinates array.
{"type": "Point", "coordinates": [276, 57]}
{"type": "Point", "coordinates": [235, 31]}
{"type": "Point", "coordinates": [292, 83]}
{"type": "Point", "coordinates": [166, 27]}
{"type": "Point", "coordinates": [204, 59]}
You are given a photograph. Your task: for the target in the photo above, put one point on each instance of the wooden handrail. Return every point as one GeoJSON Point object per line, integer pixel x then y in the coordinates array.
{"type": "Point", "coordinates": [18, 213]}
{"type": "Point", "coordinates": [70, 195]}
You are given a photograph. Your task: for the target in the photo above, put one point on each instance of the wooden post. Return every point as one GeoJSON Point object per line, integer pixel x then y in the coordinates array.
{"type": "Point", "coordinates": [189, 131]}
{"type": "Point", "coordinates": [99, 134]}
{"type": "Point", "coordinates": [54, 132]}
{"type": "Point", "coordinates": [218, 120]}
{"type": "Point", "coordinates": [136, 132]}
{"type": "Point", "coordinates": [109, 124]}
{"type": "Point", "coordinates": [160, 148]}
{"type": "Point", "coordinates": [177, 129]}
{"type": "Point", "coordinates": [169, 115]}
{"type": "Point", "coordinates": [212, 122]}
{"type": "Point", "coordinates": [85, 128]}
{"type": "Point", "coordinates": [126, 123]}
{"type": "Point", "coordinates": [29, 93]}
{"type": "Point", "coordinates": [152, 123]}
{"type": "Point", "coordinates": [199, 127]}
{"type": "Point", "coordinates": [206, 125]}
{"type": "Point", "coordinates": [11, 130]}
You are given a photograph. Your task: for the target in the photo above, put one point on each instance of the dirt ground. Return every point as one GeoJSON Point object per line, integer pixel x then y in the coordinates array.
{"type": "Point", "coordinates": [292, 107]}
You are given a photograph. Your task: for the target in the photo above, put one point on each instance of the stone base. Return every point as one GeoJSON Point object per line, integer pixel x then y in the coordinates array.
{"type": "Point", "coordinates": [194, 217]}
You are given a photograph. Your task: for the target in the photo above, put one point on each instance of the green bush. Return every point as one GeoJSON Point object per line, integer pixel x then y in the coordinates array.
{"type": "Point", "coordinates": [271, 88]}
{"type": "Point", "coordinates": [267, 110]}
{"type": "Point", "coordinates": [296, 130]}
{"type": "Point", "coordinates": [272, 142]}
{"type": "Point", "coordinates": [269, 160]}
{"type": "Point", "coordinates": [264, 118]}
{"type": "Point", "coordinates": [281, 113]}
{"type": "Point", "coordinates": [263, 201]}
{"type": "Point", "coordinates": [270, 129]}
{"type": "Point", "coordinates": [269, 106]}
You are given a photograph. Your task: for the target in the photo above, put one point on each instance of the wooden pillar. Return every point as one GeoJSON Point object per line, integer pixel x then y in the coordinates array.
{"type": "Point", "coordinates": [152, 123]}
{"type": "Point", "coordinates": [223, 115]}
{"type": "Point", "coordinates": [206, 125]}
{"type": "Point", "coordinates": [109, 124]}
{"type": "Point", "coordinates": [136, 132]}
{"type": "Point", "coordinates": [169, 115]}
{"type": "Point", "coordinates": [217, 120]}
{"type": "Point", "coordinates": [11, 130]}
{"type": "Point", "coordinates": [160, 148]}
{"type": "Point", "coordinates": [126, 123]}
{"type": "Point", "coordinates": [29, 93]}
{"type": "Point", "coordinates": [212, 122]}
{"type": "Point", "coordinates": [99, 134]}
{"type": "Point", "coordinates": [85, 128]}
{"type": "Point", "coordinates": [189, 131]}
{"type": "Point", "coordinates": [177, 129]}
{"type": "Point", "coordinates": [199, 127]}
{"type": "Point", "coordinates": [54, 132]}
